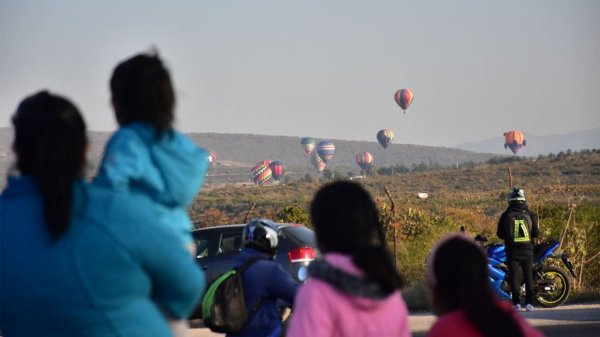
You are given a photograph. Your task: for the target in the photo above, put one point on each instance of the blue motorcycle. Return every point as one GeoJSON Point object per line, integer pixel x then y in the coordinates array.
{"type": "Point", "coordinates": [551, 283]}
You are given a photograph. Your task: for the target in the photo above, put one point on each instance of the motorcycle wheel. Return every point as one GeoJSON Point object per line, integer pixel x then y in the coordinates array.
{"type": "Point", "coordinates": [557, 287]}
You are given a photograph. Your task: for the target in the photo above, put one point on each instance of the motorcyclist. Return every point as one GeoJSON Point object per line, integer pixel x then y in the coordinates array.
{"type": "Point", "coordinates": [518, 227]}
{"type": "Point", "coordinates": [267, 286]}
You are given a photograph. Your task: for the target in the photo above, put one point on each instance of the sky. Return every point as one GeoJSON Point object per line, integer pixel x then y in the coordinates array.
{"type": "Point", "coordinates": [326, 69]}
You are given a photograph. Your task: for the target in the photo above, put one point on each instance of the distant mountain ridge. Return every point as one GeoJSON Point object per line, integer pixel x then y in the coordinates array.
{"type": "Point", "coordinates": [536, 145]}
{"type": "Point", "coordinates": [245, 150]}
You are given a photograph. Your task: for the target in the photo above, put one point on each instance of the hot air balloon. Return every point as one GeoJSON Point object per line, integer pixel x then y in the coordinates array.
{"type": "Point", "coordinates": [515, 140]}
{"type": "Point", "coordinates": [212, 158]}
{"type": "Point", "coordinates": [262, 173]}
{"type": "Point", "coordinates": [364, 160]}
{"type": "Point", "coordinates": [276, 170]}
{"type": "Point", "coordinates": [308, 143]}
{"type": "Point", "coordinates": [326, 149]}
{"type": "Point", "coordinates": [385, 137]}
{"type": "Point", "coordinates": [403, 97]}
{"type": "Point", "coordinates": [317, 162]}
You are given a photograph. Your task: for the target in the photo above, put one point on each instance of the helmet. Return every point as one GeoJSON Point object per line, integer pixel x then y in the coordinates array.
{"type": "Point", "coordinates": [516, 194]}
{"type": "Point", "coordinates": [262, 235]}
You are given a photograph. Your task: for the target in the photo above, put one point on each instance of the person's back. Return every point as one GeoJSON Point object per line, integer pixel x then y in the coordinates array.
{"type": "Point", "coordinates": [101, 278]}
{"type": "Point", "coordinates": [169, 170]}
{"type": "Point", "coordinates": [146, 155]}
{"type": "Point", "coordinates": [268, 288]}
{"type": "Point", "coordinates": [518, 227]}
{"type": "Point", "coordinates": [462, 297]}
{"type": "Point", "coordinates": [335, 310]}
{"type": "Point", "coordinates": [79, 260]}
{"type": "Point", "coordinates": [355, 289]}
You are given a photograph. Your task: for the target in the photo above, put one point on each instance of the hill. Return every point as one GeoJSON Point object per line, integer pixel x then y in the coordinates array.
{"type": "Point", "coordinates": [536, 145]}
{"type": "Point", "coordinates": [236, 153]}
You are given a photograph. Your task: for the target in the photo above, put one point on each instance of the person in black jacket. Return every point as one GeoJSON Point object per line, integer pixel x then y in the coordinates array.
{"type": "Point", "coordinates": [518, 227]}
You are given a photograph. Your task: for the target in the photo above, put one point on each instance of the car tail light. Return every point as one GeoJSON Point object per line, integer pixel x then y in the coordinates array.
{"type": "Point", "coordinates": [302, 254]}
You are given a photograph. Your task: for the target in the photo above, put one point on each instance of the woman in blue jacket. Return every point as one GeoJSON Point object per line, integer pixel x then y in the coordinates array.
{"type": "Point", "coordinates": [79, 260]}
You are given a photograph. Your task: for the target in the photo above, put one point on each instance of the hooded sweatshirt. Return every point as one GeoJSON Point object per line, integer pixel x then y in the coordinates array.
{"type": "Point", "coordinates": [321, 309]}
{"type": "Point", "coordinates": [169, 170]}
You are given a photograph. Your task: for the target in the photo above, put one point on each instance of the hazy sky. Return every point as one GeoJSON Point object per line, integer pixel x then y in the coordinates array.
{"type": "Point", "coordinates": [326, 69]}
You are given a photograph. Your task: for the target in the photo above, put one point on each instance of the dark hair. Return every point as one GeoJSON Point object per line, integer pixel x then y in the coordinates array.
{"type": "Point", "coordinates": [461, 281]}
{"type": "Point", "coordinates": [50, 144]}
{"type": "Point", "coordinates": [142, 91]}
{"type": "Point", "coordinates": [346, 220]}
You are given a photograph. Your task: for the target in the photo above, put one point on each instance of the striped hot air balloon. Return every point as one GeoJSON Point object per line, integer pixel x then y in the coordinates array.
{"type": "Point", "coordinates": [262, 173]}
{"type": "Point", "coordinates": [403, 97]}
{"type": "Point", "coordinates": [326, 149]}
{"type": "Point", "coordinates": [515, 140]}
{"type": "Point", "coordinates": [308, 143]}
{"type": "Point", "coordinates": [317, 162]}
{"type": "Point", "coordinates": [276, 170]}
{"type": "Point", "coordinates": [364, 160]}
{"type": "Point", "coordinates": [385, 137]}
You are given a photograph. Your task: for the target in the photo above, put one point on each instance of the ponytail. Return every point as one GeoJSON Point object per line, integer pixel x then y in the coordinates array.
{"type": "Point", "coordinates": [50, 145]}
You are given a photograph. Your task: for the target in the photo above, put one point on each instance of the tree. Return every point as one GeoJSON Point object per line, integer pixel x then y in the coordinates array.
{"type": "Point", "coordinates": [292, 214]}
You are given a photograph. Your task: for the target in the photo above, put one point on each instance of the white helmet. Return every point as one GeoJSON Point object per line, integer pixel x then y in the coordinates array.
{"type": "Point", "coordinates": [261, 234]}
{"type": "Point", "coordinates": [516, 194]}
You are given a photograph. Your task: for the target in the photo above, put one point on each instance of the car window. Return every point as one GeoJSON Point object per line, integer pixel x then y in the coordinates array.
{"type": "Point", "coordinates": [202, 243]}
{"type": "Point", "coordinates": [230, 242]}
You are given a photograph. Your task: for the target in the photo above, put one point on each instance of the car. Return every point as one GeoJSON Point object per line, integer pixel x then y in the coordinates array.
{"type": "Point", "coordinates": [217, 246]}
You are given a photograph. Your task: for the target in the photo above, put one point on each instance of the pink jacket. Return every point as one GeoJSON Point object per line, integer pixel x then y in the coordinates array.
{"type": "Point", "coordinates": [456, 324]}
{"type": "Point", "coordinates": [321, 310]}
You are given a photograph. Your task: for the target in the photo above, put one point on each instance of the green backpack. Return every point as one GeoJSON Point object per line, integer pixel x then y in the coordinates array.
{"type": "Point", "coordinates": [224, 307]}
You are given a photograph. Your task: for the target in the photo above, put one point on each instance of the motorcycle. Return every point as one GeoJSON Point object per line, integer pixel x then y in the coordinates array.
{"type": "Point", "coordinates": [551, 283]}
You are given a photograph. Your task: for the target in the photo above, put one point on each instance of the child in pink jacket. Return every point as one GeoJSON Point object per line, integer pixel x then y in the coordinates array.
{"type": "Point", "coordinates": [461, 295]}
{"type": "Point", "coordinates": [355, 289]}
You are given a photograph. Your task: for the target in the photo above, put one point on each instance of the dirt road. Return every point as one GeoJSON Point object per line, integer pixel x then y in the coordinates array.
{"type": "Point", "coordinates": [567, 320]}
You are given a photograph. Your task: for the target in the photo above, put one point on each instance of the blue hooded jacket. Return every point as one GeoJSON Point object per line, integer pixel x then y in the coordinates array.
{"type": "Point", "coordinates": [115, 272]}
{"type": "Point", "coordinates": [169, 170]}
{"type": "Point", "coordinates": [266, 280]}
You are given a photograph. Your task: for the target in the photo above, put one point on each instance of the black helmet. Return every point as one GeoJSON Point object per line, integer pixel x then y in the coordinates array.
{"type": "Point", "coordinates": [262, 235]}
{"type": "Point", "coordinates": [516, 194]}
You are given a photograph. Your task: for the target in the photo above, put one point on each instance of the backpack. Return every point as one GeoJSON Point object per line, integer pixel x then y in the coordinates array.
{"type": "Point", "coordinates": [520, 226]}
{"type": "Point", "coordinates": [224, 307]}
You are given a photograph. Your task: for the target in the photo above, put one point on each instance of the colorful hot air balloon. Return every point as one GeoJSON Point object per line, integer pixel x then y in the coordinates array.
{"type": "Point", "coordinates": [276, 170]}
{"type": "Point", "coordinates": [385, 137]}
{"type": "Point", "coordinates": [326, 149]}
{"type": "Point", "coordinates": [261, 173]}
{"type": "Point", "coordinates": [515, 140]}
{"type": "Point", "coordinates": [364, 160]}
{"type": "Point", "coordinates": [212, 158]}
{"type": "Point", "coordinates": [317, 162]}
{"type": "Point", "coordinates": [308, 143]}
{"type": "Point", "coordinates": [403, 97]}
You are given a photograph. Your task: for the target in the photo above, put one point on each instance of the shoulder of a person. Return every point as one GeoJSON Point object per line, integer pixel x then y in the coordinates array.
{"type": "Point", "coordinates": [452, 321]}
{"type": "Point", "coordinates": [125, 137]}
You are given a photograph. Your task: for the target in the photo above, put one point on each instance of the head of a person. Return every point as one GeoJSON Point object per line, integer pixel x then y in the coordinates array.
{"type": "Point", "coordinates": [261, 235]}
{"type": "Point", "coordinates": [142, 91]}
{"type": "Point", "coordinates": [457, 274]}
{"type": "Point", "coordinates": [516, 195]}
{"type": "Point", "coordinates": [346, 221]}
{"type": "Point", "coordinates": [50, 144]}
{"type": "Point", "coordinates": [345, 218]}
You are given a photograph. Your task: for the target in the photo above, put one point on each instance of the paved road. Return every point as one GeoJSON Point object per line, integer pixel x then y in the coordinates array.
{"type": "Point", "coordinates": [578, 320]}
